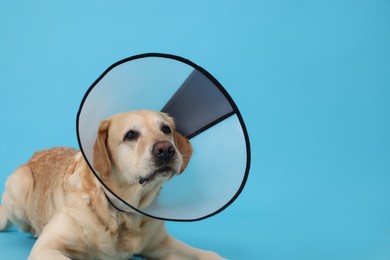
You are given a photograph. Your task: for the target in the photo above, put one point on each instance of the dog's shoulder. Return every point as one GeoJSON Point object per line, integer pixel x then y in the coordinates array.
{"type": "Point", "coordinates": [51, 160]}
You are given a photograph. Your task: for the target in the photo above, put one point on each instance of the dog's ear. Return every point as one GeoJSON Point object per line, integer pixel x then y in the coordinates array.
{"type": "Point", "coordinates": [101, 159]}
{"type": "Point", "coordinates": [185, 148]}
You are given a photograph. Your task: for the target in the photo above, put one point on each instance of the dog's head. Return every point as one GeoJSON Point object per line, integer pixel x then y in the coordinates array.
{"type": "Point", "coordinates": [140, 148]}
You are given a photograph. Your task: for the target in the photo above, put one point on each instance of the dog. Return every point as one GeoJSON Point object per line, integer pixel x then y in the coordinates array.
{"type": "Point", "coordinates": [57, 199]}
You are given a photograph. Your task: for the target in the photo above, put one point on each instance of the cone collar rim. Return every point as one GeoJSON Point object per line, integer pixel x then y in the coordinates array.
{"type": "Point", "coordinates": [236, 112]}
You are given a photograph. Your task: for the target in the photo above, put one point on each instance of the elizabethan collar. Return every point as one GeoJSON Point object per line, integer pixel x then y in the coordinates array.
{"type": "Point", "coordinates": [203, 112]}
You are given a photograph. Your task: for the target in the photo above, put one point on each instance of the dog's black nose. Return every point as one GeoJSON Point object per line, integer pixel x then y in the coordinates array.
{"type": "Point", "coordinates": [163, 150]}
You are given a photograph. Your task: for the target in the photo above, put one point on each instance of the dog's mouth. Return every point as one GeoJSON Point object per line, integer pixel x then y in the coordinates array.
{"type": "Point", "coordinates": [163, 171]}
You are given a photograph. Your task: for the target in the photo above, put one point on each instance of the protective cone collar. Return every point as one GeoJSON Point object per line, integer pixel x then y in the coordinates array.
{"type": "Point", "coordinates": [203, 112]}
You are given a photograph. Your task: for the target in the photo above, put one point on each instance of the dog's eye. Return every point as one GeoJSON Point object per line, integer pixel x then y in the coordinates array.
{"type": "Point", "coordinates": [166, 129]}
{"type": "Point", "coordinates": [131, 135]}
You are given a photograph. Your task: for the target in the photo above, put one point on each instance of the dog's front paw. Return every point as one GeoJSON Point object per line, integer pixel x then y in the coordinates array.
{"type": "Point", "coordinates": [209, 255]}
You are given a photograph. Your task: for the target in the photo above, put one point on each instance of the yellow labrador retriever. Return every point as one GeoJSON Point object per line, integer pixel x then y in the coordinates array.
{"type": "Point", "coordinates": [56, 198]}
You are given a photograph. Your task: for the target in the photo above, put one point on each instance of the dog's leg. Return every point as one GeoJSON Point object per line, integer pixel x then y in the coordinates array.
{"type": "Point", "coordinates": [172, 249]}
{"type": "Point", "coordinates": [15, 197]}
{"type": "Point", "coordinates": [47, 254]}
{"type": "Point", "coordinates": [59, 240]}
{"type": "Point", "coordinates": [4, 222]}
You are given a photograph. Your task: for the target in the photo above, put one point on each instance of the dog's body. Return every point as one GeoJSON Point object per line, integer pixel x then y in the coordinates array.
{"type": "Point", "coordinates": [56, 197]}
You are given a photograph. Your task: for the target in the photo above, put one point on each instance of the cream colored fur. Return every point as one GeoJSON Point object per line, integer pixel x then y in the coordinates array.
{"type": "Point", "coordinates": [56, 198]}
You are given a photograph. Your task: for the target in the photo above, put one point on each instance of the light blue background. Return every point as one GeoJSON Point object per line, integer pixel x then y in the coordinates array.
{"type": "Point", "coordinates": [311, 78]}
